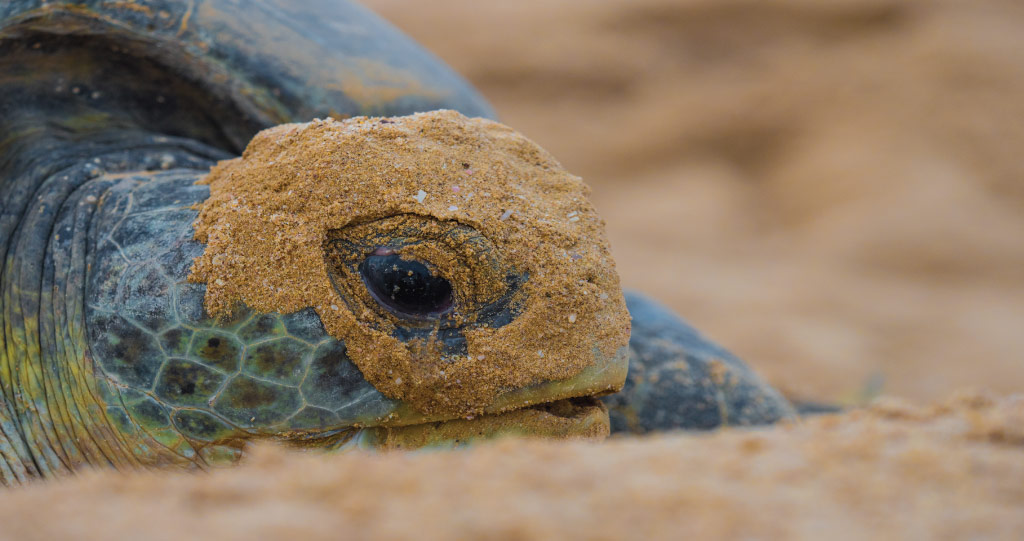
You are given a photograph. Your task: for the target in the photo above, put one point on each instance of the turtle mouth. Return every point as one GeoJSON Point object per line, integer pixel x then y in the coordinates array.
{"type": "Point", "coordinates": [580, 418]}
{"type": "Point", "coordinates": [560, 409]}
{"type": "Point", "coordinates": [572, 418]}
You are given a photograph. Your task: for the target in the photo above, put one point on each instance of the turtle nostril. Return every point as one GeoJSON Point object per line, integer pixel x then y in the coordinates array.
{"type": "Point", "coordinates": [405, 287]}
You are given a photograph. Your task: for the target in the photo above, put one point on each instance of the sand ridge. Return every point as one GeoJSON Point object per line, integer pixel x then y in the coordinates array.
{"type": "Point", "coordinates": [893, 471]}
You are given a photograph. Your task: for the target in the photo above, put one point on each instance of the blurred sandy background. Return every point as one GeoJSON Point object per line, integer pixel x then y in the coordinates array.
{"type": "Point", "coordinates": [833, 189]}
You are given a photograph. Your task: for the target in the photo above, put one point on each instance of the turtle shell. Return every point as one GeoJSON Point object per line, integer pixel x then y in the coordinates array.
{"type": "Point", "coordinates": [259, 64]}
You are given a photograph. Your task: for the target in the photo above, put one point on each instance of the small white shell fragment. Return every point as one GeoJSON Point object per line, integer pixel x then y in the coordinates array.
{"type": "Point", "coordinates": [334, 307]}
{"type": "Point", "coordinates": [481, 357]}
{"type": "Point", "coordinates": [571, 214]}
{"type": "Point", "coordinates": [420, 196]}
{"type": "Point", "coordinates": [603, 296]}
{"type": "Point", "coordinates": [574, 219]}
{"type": "Point", "coordinates": [506, 214]}
{"type": "Point", "coordinates": [572, 318]}
{"type": "Point", "coordinates": [540, 353]}
{"type": "Point", "coordinates": [453, 208]}
{"type": "Point", "coordinates": [219, 282]}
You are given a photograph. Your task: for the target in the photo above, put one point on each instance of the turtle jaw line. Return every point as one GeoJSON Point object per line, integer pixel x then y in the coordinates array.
{"type": "Point", "coordinates": [554, 410]}
{"type": "Point", "coordinates": [605, 375]}
{"type": "Point", "coordinates": [560, 409]}
{"type": "Point", "coordinates": [572, 418]}
{"type": "Point", "coordinates": [583, 417]}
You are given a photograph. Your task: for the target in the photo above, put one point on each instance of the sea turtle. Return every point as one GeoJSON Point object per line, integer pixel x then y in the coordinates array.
{"type": "Point", "coordinates": [150, 320]}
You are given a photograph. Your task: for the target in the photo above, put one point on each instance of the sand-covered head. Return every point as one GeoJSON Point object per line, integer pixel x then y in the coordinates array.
{"type": "Point", "coordinates": [535, 294]}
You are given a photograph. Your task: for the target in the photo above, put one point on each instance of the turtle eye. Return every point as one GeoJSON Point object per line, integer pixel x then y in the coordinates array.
{"type": "Point", "coordinates": [406, 287]}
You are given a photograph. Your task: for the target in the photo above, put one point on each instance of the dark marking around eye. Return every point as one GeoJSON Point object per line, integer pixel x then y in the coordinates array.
{"type": "Point", "coordinates": [405, 287]}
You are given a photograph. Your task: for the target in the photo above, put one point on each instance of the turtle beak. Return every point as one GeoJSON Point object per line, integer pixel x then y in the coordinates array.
{"type": "Point", "coordinates": [604, 376]}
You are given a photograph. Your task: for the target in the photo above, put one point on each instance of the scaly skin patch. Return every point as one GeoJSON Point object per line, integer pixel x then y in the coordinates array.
{"type": "Point", "coordinates": [272, 214]}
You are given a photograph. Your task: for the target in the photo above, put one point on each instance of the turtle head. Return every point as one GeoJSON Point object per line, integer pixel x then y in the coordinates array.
{"type": "Point", "coordinates": [463, 268]}
{"type": "Point", "coordinates": [392, 272]}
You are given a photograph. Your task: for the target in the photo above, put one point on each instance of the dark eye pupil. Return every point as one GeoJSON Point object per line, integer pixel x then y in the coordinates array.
{"type": "Point", "coordinates": [405, 287]}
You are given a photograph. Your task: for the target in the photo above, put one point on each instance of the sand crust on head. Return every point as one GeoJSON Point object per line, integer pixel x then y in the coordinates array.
{"type": "Point", "coordinates": [270, 212]}
{"type": "Point", "coordinates": [894, 471]}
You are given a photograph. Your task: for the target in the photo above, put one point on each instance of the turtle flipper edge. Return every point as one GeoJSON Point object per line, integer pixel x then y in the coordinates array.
{"type": "Point", "coordinates": [679, 379]}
